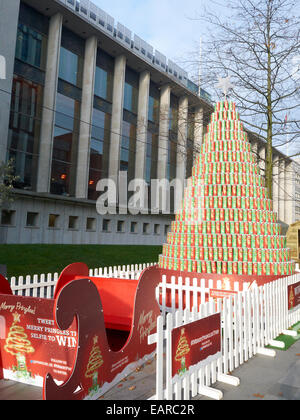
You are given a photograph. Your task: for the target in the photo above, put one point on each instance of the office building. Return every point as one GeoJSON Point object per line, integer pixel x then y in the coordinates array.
{"type": "Point", "coordinates": [84, 98]}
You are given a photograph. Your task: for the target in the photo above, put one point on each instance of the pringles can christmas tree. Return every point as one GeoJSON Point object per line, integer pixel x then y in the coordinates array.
{"type": "Point", "coordinates": [226, 225]}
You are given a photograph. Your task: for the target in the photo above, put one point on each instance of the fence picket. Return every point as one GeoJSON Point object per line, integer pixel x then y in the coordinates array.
{"type": "Point", "coordinates": [169, 384]}
{"type": "Point", "coordinates": [251, 319]}
{"type": "Point", "coordinates": [43, 285]}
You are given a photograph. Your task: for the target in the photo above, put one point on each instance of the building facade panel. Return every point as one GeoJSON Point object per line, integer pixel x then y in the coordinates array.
{"type": "Point", "coordinates": [85, 99]}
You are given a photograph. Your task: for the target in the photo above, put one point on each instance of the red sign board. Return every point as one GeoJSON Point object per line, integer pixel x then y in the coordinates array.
{"type": "Point", "coordinates": [221, 294]}
{"type": "Point", "coordinates": [293, 296]}
{"type": "Point", "coordinates": [31, 345]}
{"type": "Point", "coordinates": [194, 343]}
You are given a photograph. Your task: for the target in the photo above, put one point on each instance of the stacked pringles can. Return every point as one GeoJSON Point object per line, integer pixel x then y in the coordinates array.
{"type": "Point", "coordinates": [226, 224]}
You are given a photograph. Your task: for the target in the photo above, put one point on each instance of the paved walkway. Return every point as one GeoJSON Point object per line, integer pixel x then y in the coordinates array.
{"type": "Point", "coordinates": [262, 378]}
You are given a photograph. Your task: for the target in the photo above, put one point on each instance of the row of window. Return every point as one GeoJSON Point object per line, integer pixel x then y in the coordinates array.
{"type": "Point", "coordinates": [73, 223]}
{"type": "Point", "coordinates": [26, 112]}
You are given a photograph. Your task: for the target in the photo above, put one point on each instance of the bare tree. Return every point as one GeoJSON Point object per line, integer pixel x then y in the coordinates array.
{"type": "Point", "coordinates": [257, 43]}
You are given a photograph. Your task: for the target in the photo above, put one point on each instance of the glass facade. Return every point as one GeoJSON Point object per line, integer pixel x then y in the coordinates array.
{"type": "Point", "coordinates": [99, 148]}
{"type": "Point", "coordinates": [24, 130]}
{"type": "Point", "coordinates": [153, 113]}
{"type": "Point", "coordinates": [65, 145]}
{"type": "Point", "coordinates": [173, 138]}
{"type": "Point", "coordinates": [70, 67]}
{"type": "Point", "coordinates": [128, 149]}
{"type": "Point", "coordinates": [190, 144]}
{"type": "Point", "coordinates": [27, 97]}
{"type": "Point", "coordinates": [104, 76]}
{"type": "Point", "coordinates": [151, 156]}
{"type": "Point", "coordinates": [26, 113]}
{"type": "Point", "coordinates": [31, 46]}
{"type": "Point", "coordinates": [152, 133]}
{"type": "Point", "coordinates": [130, 98]}
{"type": "Point", "coordinates": [103, 84]}
{"type": "Point", "coordinates": [101, 123]}
{"type": "Point", "coordinates": [129, 125]}
{"type": "Point", "coordinates": [131, 91]}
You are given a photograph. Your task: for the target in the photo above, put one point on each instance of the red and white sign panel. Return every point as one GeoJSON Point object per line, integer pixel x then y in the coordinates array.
{"type": "Point", "coordinates": [293, 296]}
{"type": "Point", "coordinates": [31, 345]}
{"type": "Point", "coordinates": [194, 343]}
{"type": "Point", "coordinates": [221, 294]}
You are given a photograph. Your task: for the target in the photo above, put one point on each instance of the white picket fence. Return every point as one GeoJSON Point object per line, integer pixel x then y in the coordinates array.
{"type": "Point", "coordinates": [251, 320]}
{"type": "Point", "coordinates": [182, 293]}
{"type": "Point", "coordinates": [43, 286]}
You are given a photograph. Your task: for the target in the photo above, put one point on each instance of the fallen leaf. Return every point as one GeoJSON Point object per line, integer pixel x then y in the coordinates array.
{"type": "Point", "coordinates": [131, 378]}
{"type": "Point", "coordinates": [132, 388]}
{"type": "Point", "coordinates": [120, 385]}
{"type": "Point", "coordinates": [258, 396]}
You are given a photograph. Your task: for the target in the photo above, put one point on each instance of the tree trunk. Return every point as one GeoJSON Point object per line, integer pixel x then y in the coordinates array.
{"type": "Point", "coordinates": [269, 154]}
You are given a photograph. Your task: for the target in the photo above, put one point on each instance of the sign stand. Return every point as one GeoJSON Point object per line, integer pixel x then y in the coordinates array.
{"type": "Point", "coordinates": [191, 380]}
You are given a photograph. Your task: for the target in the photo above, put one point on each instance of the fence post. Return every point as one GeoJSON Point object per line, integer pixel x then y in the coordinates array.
{"type": "Point", "coordinates": [169, 385]}
{"type": "Point", "coordinates": [159, 359]}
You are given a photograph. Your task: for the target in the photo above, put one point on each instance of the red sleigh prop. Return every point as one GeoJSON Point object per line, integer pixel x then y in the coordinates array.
{"type": "Point", "coordinates": [104, 324]}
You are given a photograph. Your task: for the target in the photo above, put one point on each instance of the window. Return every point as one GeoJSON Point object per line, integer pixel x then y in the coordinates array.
{"type": "Point", "coordinates": [32, 219]}
{"type": "Point", "coordinates": [24, 131]}
{"type": "Point", "coordinates": [128, 147]}
{"type": "Point", "coordinates": [73, 222]}
{"type": "Point", "coordinates": [134, 227]}
{"type": "Point", "coordinates": [7, 217]}
{"type": "Point", "coordinates": [172, 156]}
{"type": "Point", "coordinates": [103, 84]}
{"type": "Point", "coordinates": [190, 143]}
{"type": "Point", "coordinates": [156, 229]}
{"type": "Point", "coordinates": [167, 229]}
{"type": "Point", "coordinates": [130, 98]}
{"type": "Point", "coordinates": [153, 115]}
{"type": "Point", "coordinates": [121, 226]}
{"type": "Point", "coordinates": [146, 228]}
{"type": "Point", "coordinates": [106, 225]}
{"type": "Point", "coordinates": [91, 224]}
{"type": "Point", "coordinates": [173, 137]}
{"type": "Point", "coordinates": [65, 138]}
{"type": "Point", "coordinates": [173, 117]}
{"type": "Point", "coordinates": [99, 150]}
{"type": "Point", "coordinates": [31, 46]}
{"type": "Point", "coordinates": [69, 67]}
{"type": "Point", "coordinates": [53, 221]}
{"type": "Point", "coordinates": [151, 153]}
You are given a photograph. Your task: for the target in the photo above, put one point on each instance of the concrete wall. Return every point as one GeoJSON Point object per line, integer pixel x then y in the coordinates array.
{"type": "Point", "coordinates": [18, 233]}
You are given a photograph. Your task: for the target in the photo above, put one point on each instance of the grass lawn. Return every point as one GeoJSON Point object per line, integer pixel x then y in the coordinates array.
{"type": "Point", "coordinates": [24, 260]}
{"type": "Point", "coordinates": [287, 339]}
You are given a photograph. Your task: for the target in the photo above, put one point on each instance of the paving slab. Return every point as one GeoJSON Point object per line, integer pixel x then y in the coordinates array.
{"type": "Point", "coordinates": [262, 378]}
